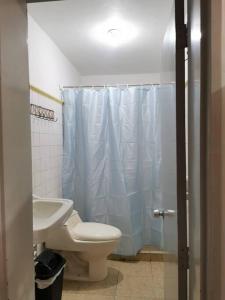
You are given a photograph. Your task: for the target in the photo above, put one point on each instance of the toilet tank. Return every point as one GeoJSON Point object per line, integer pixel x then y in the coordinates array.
{"type": "Point", "coordinates": [62, 238]}
{"type": "Point", "coordinates": [73, 220]}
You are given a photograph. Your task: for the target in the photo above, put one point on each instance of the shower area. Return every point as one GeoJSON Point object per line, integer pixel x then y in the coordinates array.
{"type": "Point", "coordinates": [119, 158]}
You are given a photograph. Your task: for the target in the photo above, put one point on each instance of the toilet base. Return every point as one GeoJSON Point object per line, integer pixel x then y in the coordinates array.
{"type": "Point", "coordinates": [81, 270]}
{"type": "Point", "coordinates": [98, 270]}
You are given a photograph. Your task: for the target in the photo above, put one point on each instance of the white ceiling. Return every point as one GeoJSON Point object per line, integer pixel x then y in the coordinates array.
{"type": "Point", "coordinates": [70, 23]}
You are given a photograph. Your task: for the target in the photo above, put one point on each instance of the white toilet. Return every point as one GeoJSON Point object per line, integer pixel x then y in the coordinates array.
{"type": "Point", "coordinates": [85, 246]}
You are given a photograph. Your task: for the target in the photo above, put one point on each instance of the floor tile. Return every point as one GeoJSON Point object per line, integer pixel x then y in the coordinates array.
{"type": "Point", "coordinates": [134, 286]}
{"type": "Point", "coordinates": [159, 294]}
{"type": "Point", "coordinates": [143, 256]}
{"type": "Point", "coordinates": [134, 298]}
{"type": "Point", "coordinates": [157, 267]}
{"type": "Point", "coordinates": [158, 274]}
{"type": "Point", "coordinates": [157, 257]}
{"type": "Point", "coordinates": [149, 248]}
{"type": "Point", "coordinates": [131, 268]}
{"type": "Point", "coordinates": [125, 281]}
{"type": "Point", "coordinates": [70, 286]}
{"type": "Point", "coordinates": [105, 287]}
{"type": "Point", "coordinates": [69, 296]}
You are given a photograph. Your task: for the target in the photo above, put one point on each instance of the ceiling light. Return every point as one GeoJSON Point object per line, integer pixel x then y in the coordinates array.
{"type": "Point", "coordinates": [114, 32]}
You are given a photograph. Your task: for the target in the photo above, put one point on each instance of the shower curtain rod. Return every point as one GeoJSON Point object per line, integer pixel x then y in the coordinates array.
{"type": "Point", "coordinates": [108, 85]}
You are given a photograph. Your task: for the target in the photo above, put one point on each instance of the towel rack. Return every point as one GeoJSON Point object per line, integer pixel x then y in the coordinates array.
{"type": "Point", "coordinates": [42, 113]}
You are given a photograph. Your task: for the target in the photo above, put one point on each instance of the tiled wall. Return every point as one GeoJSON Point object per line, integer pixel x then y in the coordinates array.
{"type": "Point", "coordinates": [47, 149]}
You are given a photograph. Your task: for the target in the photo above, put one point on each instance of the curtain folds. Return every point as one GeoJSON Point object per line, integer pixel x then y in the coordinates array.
{"type": "Point", "coordinates": [119, 149]}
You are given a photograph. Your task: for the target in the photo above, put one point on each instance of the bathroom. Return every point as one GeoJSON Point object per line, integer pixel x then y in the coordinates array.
{"type": "Point", "coordinates": [88, 165]}
{"type": "Point", "coordinates": [103, 134]}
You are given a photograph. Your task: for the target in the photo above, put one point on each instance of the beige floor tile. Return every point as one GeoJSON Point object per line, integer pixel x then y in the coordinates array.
{"type": "Point", "coordinates": [125, 281]}
{"type": "Point", "coordinates": [133, 298]}
{"type": "Point", "coordinates": [143, 256]}
{"type": "Point", "coordinates": [69, 296]}
{"type": "Point", "coordinates": [134, 286]}
{"type": "Point", "coordinates": [158, 274]}
{"type": "Point", "coordinates": [105, 287]}
{"type": "Point", "coordinates": [131, 268]}
{"type": "Point", "coordinates": [149, 248]}
{"type": "Point", "coordinates": [157, 257]}
{"type": "Point", "coordinates": [159, 294]}
{"type": "Point", "coordinates": [158, 282]}
{"type": "Point", "coordinates": [70, 286]}
{"type": "Point", "coordinates": [157, 267]}
{"type": "Point", "coordinates": [171, 268]}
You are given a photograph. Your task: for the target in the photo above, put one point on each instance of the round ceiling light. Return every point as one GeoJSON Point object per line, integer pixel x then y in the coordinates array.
{"type": "Point", "coordinates": [114, 32]}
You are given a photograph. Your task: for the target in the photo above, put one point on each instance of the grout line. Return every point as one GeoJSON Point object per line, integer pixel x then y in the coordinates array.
{"type": "Point", "coordinates": [117, 285]}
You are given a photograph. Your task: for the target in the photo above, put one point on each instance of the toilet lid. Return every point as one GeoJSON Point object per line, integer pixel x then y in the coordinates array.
{"type": "Point", "coordinates": [87, 231]}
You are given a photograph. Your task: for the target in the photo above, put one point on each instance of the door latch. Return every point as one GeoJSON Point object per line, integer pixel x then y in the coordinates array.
{"type": "Point", "coordinates": [158, 213]}
{"type": "Point", "coordinates": [164, 213]}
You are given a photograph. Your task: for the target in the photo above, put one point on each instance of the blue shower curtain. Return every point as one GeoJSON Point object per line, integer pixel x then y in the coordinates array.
{"type": "Point", "coordinates": [115, 158]}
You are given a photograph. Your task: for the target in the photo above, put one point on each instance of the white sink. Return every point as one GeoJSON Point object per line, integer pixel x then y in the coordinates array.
{"type": "Point", "coordinates": [48, 214]}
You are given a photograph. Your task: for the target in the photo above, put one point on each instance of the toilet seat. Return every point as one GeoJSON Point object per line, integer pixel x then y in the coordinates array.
{"type": "Point", "coordinates": [89, 231]}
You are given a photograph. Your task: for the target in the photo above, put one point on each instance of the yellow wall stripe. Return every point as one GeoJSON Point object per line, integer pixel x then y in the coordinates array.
{"type": "Point", "coordinates": [43, 93]}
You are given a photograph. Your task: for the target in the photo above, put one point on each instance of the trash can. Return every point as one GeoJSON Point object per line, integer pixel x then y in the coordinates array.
{"type": "Point", "coordinates": [49, 270]}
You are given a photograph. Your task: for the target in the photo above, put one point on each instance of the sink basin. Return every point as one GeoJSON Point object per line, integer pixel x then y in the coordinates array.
{"type": "Point", "coordinates": [48, 214]}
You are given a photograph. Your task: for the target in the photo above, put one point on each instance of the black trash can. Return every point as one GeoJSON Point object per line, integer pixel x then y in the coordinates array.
{"type": "Point", "coordinates": [49, 270]}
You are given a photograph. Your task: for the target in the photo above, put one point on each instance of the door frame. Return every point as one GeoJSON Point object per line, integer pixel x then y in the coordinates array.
{"type": "Point", "coordinates": [181, 44]}
{"type": "Point", "coordinates": [213, 91]}
{"type": "Point", "coordinates": [3, 269]}
{"type": "Point", "coordinates": [3, 280]}
{"type": "Point", "coordinates": [16, 245]}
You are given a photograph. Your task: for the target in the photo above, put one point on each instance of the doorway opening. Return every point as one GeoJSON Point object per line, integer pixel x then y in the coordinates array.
{"type": "Point", "coordinates": [104, 134]}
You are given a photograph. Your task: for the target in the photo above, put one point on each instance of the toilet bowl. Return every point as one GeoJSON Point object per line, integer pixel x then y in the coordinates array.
{"type": "Point", "coordinates": [85, 245]}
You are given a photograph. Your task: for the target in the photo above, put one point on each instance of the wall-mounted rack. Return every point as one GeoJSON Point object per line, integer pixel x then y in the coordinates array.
{"type": "Point", "coordinates": [42, 113]}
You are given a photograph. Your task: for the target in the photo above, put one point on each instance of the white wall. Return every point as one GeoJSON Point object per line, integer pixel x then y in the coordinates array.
{"type": "Point", "coordinates": [120, 79]}
{"type": "Point", "coordinates": [47, 150]}
{"type": "Point", "coordinates": [15, 155]}
{"type": "Point", "coordinates": [49, 69]}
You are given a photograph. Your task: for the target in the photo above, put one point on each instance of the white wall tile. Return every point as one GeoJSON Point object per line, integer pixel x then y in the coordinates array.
{"type": "Point", "coordinates": [47, 143]}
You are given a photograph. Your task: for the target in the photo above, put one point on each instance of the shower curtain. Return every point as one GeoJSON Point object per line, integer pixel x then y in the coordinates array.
{"type": "Point", "coordinates": [117, 142]}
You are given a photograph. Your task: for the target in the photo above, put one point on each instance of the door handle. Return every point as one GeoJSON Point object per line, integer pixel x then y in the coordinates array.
{"type": "Point", "coordinates": [158, 213]}
{"type": "Point", "coordinates": [169, 213]}
{"type": "Point", "coordinates": [164, 213]}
